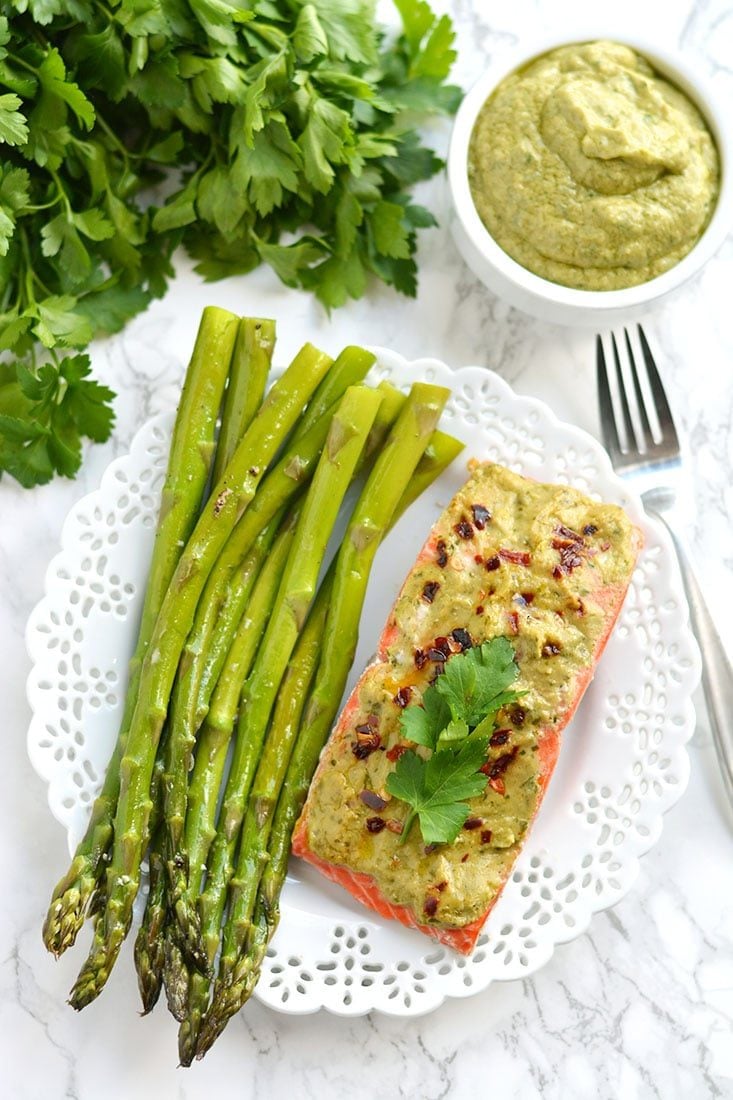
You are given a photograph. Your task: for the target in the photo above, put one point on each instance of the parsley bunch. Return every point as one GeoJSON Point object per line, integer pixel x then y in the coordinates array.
{"type": "Point", "coordinates": [455, 722]}
{"type": "Point", "coordinates": [282, 132]}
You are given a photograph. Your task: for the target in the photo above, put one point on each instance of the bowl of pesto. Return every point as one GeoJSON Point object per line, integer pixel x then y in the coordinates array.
{"type": "Point", "coordinates": [589, 179]}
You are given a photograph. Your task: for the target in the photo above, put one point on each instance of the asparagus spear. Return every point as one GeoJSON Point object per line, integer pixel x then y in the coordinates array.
{"type": "Point", "coordinates": [230, 498]}
{"type": "Point", "coordinates": [347, 435]}
{"type": "Point", "coordinates": [222, 603]}
{"type": "Point", "coordinates": [186, 866]}
{"type": "Point", "coordinates": [349, 369]}
{"type": "Point", "coordinates": [221, 606]}
{"type": "Point", "coordinates": [188, 471]}
{"type": "Point", "coordinates": [149, 939]}
{"type": "Point", "coordinates": [176, 975]}
{"type": "Point", "coordinates": [369, 523]}
{"type": "Point", "coordinates": [211, 754]}
{"type": "Point", "coordinates": [248, 373]}
{"type": "Point", "coordinates": [183, 725]}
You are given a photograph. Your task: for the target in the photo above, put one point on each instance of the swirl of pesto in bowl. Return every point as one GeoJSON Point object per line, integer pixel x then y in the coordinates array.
{"type": "Point", "coordinates": [591, 170]}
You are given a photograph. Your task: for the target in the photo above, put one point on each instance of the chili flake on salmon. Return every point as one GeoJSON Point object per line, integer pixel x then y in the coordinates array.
{"type": "Point", "coordinates": [541, 565]}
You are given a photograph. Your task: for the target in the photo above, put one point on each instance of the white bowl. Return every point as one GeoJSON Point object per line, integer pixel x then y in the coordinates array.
{"type": "Point", "coordinates": [541, 297]}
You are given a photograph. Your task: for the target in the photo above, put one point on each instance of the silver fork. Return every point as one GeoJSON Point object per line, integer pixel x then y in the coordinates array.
{"type": "Point", "coordinates": [641, 439]}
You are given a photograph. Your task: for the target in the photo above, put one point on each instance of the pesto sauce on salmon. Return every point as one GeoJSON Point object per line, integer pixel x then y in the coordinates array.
{"type": "Point", "coordinates": [509, 557]}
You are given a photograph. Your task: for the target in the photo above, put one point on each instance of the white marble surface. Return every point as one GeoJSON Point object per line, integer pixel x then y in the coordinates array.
{"type": "Point", "coordinates": [641, 1005]}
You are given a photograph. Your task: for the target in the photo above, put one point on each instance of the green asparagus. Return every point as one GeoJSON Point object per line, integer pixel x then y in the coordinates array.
{"type": "Point", "coordinates": [221, 605]}
{"type": "Point", "coordinates": [349, 369]}
{"type": "Point", "coordinates": [229, 499]}
{"type": "Point", "coordinates": [211, 752]}
{"type": "Point", "coordinates": [176, 975]}
{"type": "Point", "coordinates": [347, 435]}
{"type": "Point", "coordinates": [149, 940]}
{"type": "Point", "coordinates": [248, 373]}
{"type": "Point", "coordinates": [188, 471]}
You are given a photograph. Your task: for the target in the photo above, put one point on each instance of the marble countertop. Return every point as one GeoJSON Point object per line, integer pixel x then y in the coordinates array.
{"type": "Point", "coordinates": [639, 1006]}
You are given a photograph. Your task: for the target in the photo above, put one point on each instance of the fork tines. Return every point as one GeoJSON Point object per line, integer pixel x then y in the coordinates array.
{"type": "Point", "coordinates": [636, 421]}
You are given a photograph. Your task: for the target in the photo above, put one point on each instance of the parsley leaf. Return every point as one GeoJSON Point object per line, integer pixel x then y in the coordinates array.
{"type": "Point", "coordinates": [13, 126]}
{"type": "Point", "coordinates": [454, 721]}
{"type": "Point", "coordinates": [281, 132]}
{"type": "Point", "coordinates": [472, 684]}
{"type": "Point", "coordinates": [45, 413]}
{"type": "Point", "coordinates": [435, 789]}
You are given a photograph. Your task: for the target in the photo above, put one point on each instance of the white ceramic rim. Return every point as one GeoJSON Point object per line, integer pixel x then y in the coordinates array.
{"type": "Point", "coordinates": [670, 63]}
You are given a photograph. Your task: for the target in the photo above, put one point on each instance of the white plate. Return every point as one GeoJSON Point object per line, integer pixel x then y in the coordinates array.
{"type": "Point", "coordinates": [623, 761]}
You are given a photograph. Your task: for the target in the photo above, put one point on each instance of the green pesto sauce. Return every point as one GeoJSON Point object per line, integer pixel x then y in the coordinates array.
{"type": "Point", "coordinates": [591, 170]}
{"type": "Point", "coordinates": [562, 611]}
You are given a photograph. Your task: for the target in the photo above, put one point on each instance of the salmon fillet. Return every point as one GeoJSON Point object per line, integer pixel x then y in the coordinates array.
{"type": "Point", "coordinates": [543, 565]}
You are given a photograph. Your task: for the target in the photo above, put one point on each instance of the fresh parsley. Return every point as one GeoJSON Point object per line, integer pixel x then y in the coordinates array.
{"type": "Point", "coordinates": [283, 131]}
{"type": "Point", "coordinates": [45, 413]}
{"type": "Point", "coordinates": [454, 722]}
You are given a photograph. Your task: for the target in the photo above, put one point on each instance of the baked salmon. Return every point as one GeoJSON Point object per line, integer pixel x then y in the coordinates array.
{"type": "Point", "coordinates": [542, 565]}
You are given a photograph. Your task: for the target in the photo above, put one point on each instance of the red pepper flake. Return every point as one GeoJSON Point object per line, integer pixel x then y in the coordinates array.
{"type": "Point", "coordinates": [396, 752]}
{"type": "Point", "coordinates": [494, 769]}
{"type": "Point", "coordinates": [375, 824]}
{"type": "Point", "coordinates": [551, 649]}
{"type": "Point", "coordinates": [462, 638]}
{"type": "Point", "coordinates": [441, 886]}
{"type": "Point", "coordinates": [480, 609]}
{"type": "Point", "coordinates": [430, 591]}
{"type": "Point", "coordinates": [403, 696]}
{"type": "Point", "coordinates": [441, 553]}
{"type": "Point", "coordinates": [499, 738]}
{"type": "Point", "coordinates": [569, 545]}
{"type": "Point", "coordinates": [473, 823]}
{"type": "Point", "coordinates": [517, 716]}
{"type": "Point", "coordinates": [430, 907]}
{"type": "Point", "coordinates": [486, 836]}
{"type": "Point", "coordinates": [373, 800]}
{"type": "Point", "coordinates": [394, 825]}
{"type": "Point", "coordinates": [465, 857]}
{"type": "Point", "coordinates": [568, 534]}
{"type": "Point", "coordinates": [367, 738]}
{"type": "Point", "coordinates": [528, 597]}
{"type": "Point", "coordinates": [513, 617]}
{"type": "Point", "coordinates": [429, 849]}
{"type": "Point", "coordinates": [463, 528]}
{"type": "Point", "coordinates": [493, 563]}
{"type": "Point", "coordinates": [590, 529]}
{"type": "Point", "coordinates": [420, 658]}
{"type": "Point", "coordinates": [605, 546]}
{"type": "Point", "coordinates": [497, 785]}
{"type": "Point", "coordinates": [478, 559]}
{"type": "Point", "coordinates": [519, 557]}
{"type": "Point", "coordinates": [365, 745]}
{"type": "Point", "coordinates": [481, 516]}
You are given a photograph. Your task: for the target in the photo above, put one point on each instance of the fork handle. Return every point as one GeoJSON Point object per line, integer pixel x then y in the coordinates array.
{"type": "Point", "coordinates": [717, 673]}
